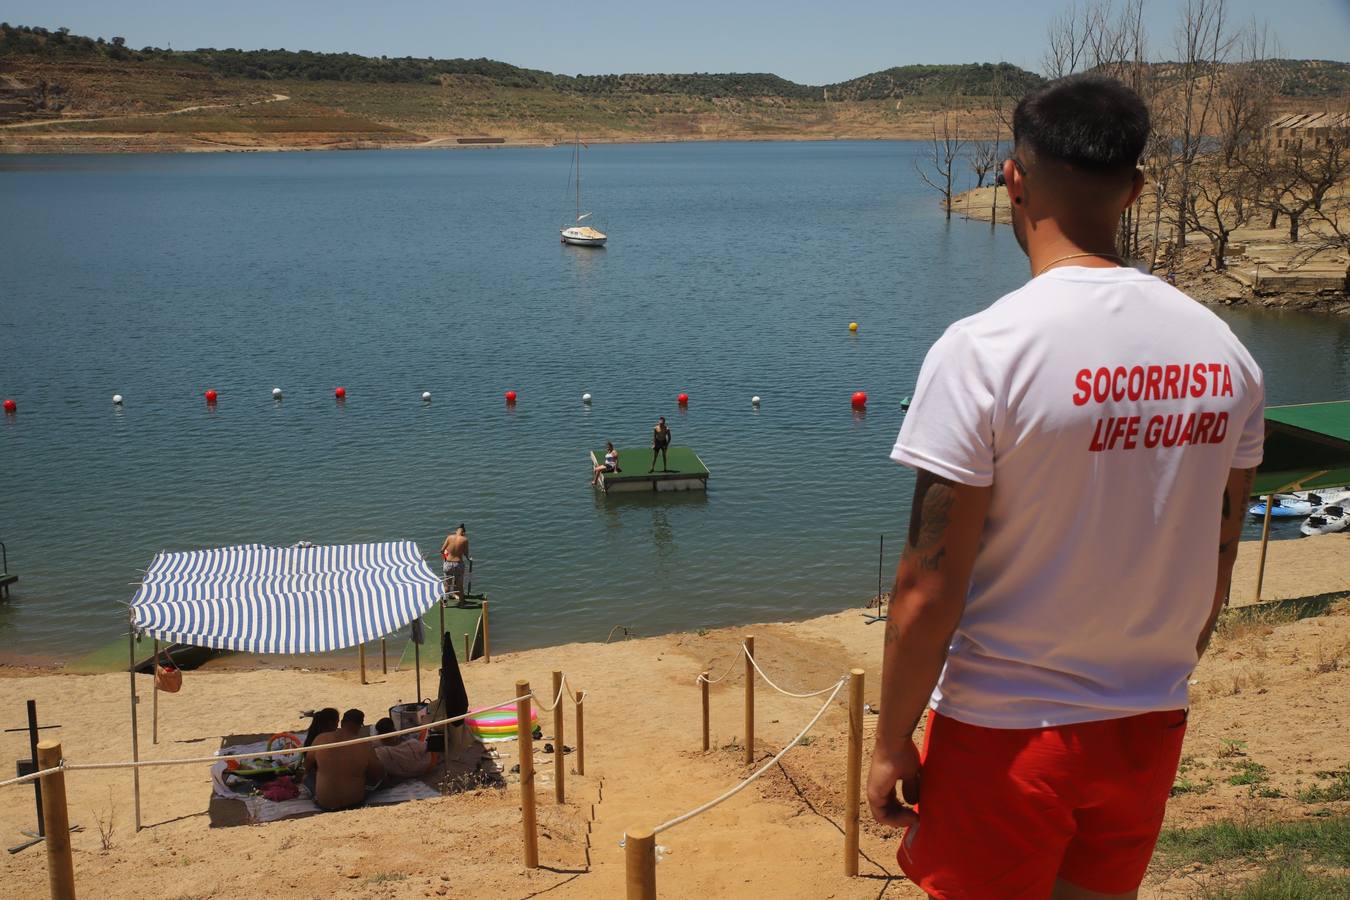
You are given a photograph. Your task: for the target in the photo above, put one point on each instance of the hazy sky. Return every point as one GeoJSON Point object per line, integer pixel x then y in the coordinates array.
{"type": "Point", "coordinates": [811, 42]}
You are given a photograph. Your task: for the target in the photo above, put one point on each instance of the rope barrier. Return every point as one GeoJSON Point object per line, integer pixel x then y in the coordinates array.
{"type": "Point", "coordinates": [751, 656]}
{"type": "Point", "coordinates": [724, 674]}
{"type": "Point", "coordinates": [562, 686]}
{"type": "Point", "coordinates": [758, 772]}
{"type": "Point", "coordinates": [745, 651]}
{"type": "Point", "coordinates": [197, 760]}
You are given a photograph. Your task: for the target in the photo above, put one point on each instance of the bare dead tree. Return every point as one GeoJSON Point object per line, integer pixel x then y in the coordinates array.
{"type": "Point", "coordinates": [1202, 44]}
{"type": "Point", "coordinates": [1299, 176]}
{"type": "Point", "coordinates": [938, 167]}
{"type": "Point", "coordinates": [1246, 91]}
{"type": "Point", "coordinates": [1067, 42]}
{"type": "Point", "coordinates": [1220, 202]}
{"type": "Point", "coordinates": [984, 157]}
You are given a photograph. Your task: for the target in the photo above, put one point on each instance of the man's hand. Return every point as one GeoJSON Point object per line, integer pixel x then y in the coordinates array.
{"type": "Point", "coordinates": [882, 778]}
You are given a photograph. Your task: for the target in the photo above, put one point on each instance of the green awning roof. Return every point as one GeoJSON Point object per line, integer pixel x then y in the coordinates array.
{"type": "Point", "coordinates": [1307, 446]}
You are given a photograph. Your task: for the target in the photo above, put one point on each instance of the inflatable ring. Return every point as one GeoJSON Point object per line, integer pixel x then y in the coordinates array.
{"type": "Point", "coordinates": [283, 741]}
{"type": "Point", "coordinates": [496, 724]}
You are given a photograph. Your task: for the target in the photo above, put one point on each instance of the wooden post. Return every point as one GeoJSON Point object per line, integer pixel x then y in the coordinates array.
{"type": "Point", "coordinates": [384, 657]}
{"type": "Point", "coordinates": [639, 853]}
{"type": "Point", "coordinates": [417, 667]}
{"type": "Point", "coordinates": [60, 867]}
{"type": "Point", "coordinates": [487, 647]}
{"type": "Point", "coordinates": [581, 736]}
{"type": "Point", "coordinates": [749, 699]}
{"type": "Point", "coordinates": [525, 749]}
{"type": "Point", "coordinates": [559, 763]}
{"type": "Point", "coordinates": [853, 781]}
{"type": "Point", "coordinates": [361, 650]}
{"type": "Point", "coordinates": [468, 648]}
{"type": "Point", "coordinates": [1265, 539]}
{"type": "Point", "coordinates": [154, 700]}
{"type": "Point", "coordinates": [703, 685]}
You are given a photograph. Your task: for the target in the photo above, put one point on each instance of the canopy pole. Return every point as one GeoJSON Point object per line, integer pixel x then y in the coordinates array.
{"type": "Point", "coordinates": [135, 740]}
{"type": "Point", "coordinates": [417, 667]}
{"type": "Point", "coordinates": [154, 702]}
{"type": "Point", "coordinates": [1265, 539]}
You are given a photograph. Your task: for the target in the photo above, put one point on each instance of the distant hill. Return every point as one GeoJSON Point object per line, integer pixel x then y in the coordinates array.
{"type": "Point", "coordinates": [974, 79]}
{"type": "Point", "coordinates": [969, 80]}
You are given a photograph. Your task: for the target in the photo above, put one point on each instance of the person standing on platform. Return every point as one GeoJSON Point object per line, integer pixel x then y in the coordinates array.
{"type": "Point", "coordinates": [1084, 450]}
{"type": "Point", "coordinates": [455, 553]}
{"type": "Point", "coordinates": [660, 442]}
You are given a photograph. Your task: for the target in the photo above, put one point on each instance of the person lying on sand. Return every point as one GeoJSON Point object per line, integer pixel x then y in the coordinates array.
{"type": "Point", "coordinates": [404, 756]}
{"type": "Point", "coordinates": [343, 773]}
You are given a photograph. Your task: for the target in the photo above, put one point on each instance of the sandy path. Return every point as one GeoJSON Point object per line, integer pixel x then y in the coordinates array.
{"type": "Point", "coordinates": [275, 98]}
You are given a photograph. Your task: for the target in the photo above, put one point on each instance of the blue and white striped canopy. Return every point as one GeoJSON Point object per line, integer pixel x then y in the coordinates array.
{"type": "Point", "coordinates": [302, 599]}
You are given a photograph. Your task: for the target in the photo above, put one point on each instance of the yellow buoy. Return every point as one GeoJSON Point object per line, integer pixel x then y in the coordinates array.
{"type": "Point", "coordinates": [852, 326]}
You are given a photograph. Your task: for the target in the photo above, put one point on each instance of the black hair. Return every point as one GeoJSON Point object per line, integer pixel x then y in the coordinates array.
{"type": "Point", "coordinates": [324, 720]}
{"type": "Point", "coordinates": [384, 726]}
{"type": "Point", "coordinates": [1091, 122]}
{"type": "Point", "coordinates": [354, 717]}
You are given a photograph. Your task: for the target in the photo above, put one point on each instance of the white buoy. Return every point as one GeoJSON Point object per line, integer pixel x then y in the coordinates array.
{"type": "Point", "coordinates": [754, 401]}
{"type": "Point", "coordinates": [585, 398]}
{"type": "Point", "coordinates": [276, 393]}
{"type": "Point", "coordinates": [426, 396]}
{"type": "Point", "coordinates": [117, 399]}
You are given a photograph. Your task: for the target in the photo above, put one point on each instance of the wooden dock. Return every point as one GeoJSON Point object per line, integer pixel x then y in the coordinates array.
{"type": "Point", "coordinates": [685, 472]}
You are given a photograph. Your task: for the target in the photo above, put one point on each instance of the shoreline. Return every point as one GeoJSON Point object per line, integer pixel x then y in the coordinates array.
{"type": "Point", "coordinates": [1297, 567]}
{"type": "Point", "coordinates": [114, 143]}
{"type": "Point", "coordinates": [1259, 271]}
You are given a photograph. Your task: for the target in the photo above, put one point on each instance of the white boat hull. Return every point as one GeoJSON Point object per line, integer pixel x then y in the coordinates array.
{"type": "Point", "coordinates": [581, 240]}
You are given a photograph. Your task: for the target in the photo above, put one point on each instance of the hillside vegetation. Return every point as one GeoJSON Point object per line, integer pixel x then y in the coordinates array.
{"type": "Point", "coordinates": [66, 92]}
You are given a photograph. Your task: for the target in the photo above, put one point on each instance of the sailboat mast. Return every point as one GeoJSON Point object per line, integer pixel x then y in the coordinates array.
{"type": "Point", "coordinates": [578, 151]}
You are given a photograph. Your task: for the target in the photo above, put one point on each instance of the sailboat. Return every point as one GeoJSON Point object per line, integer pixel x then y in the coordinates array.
{"type": "Point", "coordinates": [577, 234]}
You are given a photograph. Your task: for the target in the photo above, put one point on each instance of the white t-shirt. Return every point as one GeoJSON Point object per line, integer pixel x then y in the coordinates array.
{"type": "Point", "coordinates": [1106, 408]}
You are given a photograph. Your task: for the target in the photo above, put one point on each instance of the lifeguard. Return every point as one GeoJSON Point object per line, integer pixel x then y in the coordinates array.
{"type": "Point", "coordinates": [1083, 448]}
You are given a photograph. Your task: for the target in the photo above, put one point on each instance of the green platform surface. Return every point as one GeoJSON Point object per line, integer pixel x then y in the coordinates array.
{"type": "Point", "coordinates": [634, 461]}
{"type": "Point", "coordinates": [459, 621]}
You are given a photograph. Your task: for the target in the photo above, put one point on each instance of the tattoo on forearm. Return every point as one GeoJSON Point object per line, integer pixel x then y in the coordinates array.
{"type": "Point", "coordinates": [928, 520]}
{"type": "Point", "coordinates": [1229, 504]}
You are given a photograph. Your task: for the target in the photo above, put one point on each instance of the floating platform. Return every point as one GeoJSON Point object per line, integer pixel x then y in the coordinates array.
{"type": "Point", "coordinates": [685, 472]}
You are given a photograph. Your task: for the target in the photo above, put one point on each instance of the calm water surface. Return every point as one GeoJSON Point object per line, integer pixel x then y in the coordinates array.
{"type": "Point", "coordinates": [733, 270]}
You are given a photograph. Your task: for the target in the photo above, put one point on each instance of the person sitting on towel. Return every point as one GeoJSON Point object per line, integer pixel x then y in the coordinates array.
{"type": "Point", "coordinates": [324, 720]}
{"type": "Point", "coordinates": [343, 773]}
{"type": "Point", "coordinates": [403, 756]}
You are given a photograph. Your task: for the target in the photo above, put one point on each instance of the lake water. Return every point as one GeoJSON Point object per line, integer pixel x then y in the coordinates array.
{"type": "Point", "coordinates": [732, 270]}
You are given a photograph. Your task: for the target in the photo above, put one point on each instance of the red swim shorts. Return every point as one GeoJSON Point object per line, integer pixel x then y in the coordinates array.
{"type": "Point", "coordinates": [1003, 813]}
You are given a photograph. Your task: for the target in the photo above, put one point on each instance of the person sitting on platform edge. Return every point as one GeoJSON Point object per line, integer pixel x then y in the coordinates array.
{"type": "Point", "coordinates": [611, 464]}
{"type": "Point", "coordinates": [405, 756]}
{"type": "Point", "coordinates": [455, 552]}
{"type": "Point", "coordinates": [660, 441]}
{"type": "Point", "coordinates": [344, 775]}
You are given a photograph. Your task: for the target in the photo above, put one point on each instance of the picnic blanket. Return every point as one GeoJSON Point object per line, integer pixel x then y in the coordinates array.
{"type": "Point", "coordinates": [233, 803]}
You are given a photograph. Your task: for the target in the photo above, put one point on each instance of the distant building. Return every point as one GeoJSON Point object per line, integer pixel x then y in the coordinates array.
{"type": "Point", "coordinates": [1312, 129]}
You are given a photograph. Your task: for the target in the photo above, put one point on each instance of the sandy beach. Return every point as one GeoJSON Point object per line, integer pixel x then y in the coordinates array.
{"type": "Point", "coordinates": [1280, 687]}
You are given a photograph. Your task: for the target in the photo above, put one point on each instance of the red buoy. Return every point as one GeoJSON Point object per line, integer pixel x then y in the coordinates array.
{"type": "Point", "coordinates": [859, 399]}
{"type": "Point", "coordinates": [210, 396]}
{"type": "Point", "coordinates": [11, 406]}
{"type": "Point", "coordinates": [340, 393]}
{"type": "Point", "coordinates": [683, 399]}
{"type": "Point", "coordinates": [510, 396]}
